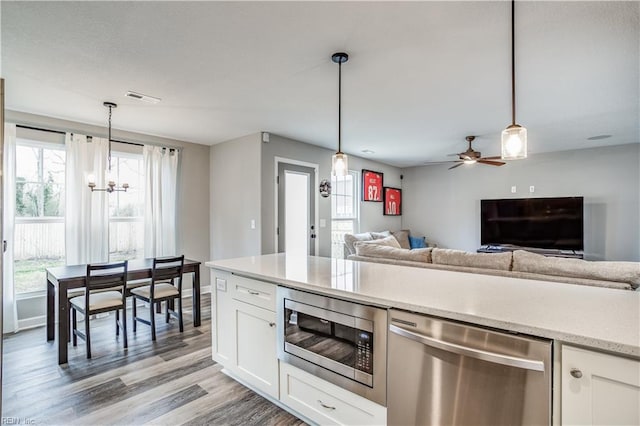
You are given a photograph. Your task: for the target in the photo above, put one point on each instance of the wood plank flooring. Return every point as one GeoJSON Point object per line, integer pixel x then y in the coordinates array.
{"type": "Point", "coordinates": [172, 381]}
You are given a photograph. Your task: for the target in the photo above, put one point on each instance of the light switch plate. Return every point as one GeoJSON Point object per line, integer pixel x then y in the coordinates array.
{"type": "Point", "coordinates": [221, 284]}
{"type": "Point", "coordinates": [323, 223]}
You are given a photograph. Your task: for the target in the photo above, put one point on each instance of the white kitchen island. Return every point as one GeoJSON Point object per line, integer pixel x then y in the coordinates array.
{"type": "Point", "coordinates": [596, 319]}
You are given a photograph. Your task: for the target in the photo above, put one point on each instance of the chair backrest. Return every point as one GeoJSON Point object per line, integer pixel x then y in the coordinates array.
{"type": "Point", "coordinates": [105, 276]}
{"type": "Point", "coordinates": [167, 269]}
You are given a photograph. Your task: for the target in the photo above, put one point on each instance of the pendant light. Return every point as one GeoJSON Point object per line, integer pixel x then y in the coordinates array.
{"type": "Point", "coordinates": [339, 161]}
{"type": "Point", "coordinates": [111, 184]}
{"type": "Point", "coordinates": [514, 137]}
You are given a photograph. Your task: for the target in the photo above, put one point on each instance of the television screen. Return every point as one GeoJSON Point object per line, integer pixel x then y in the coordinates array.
{"type": "Point", "coordinates": [546, 223]}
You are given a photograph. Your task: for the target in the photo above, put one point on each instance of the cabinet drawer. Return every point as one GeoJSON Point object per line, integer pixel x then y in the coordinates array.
{"type": "Point", "coordinates": [325, 403]}
{"type": "Point", "coordinates": [254, 292]}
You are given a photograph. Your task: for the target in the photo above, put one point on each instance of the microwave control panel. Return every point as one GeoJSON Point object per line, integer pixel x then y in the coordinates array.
{"type": "Point", "coordinates": [364, 351]}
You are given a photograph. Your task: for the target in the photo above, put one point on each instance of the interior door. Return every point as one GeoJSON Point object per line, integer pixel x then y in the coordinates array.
{"type": "Point", "coordinates": [296, 209]}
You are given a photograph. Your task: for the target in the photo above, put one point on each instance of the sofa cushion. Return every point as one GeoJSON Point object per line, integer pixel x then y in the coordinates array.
{"type": "Point", "coordinates": [394, 253]}
{"type": "Point", "coordinates": [498, 261]}
{"type": "Point", "coordinates": [403, 238]}
{"type": "Point", "coordinates": [349, 239]}
{"type": "Point", "coordinates": [387, 241]}
{"type": "Point", "coordinates": [626, 272]}
{"type": "Point", "coordinates": [417, 242]}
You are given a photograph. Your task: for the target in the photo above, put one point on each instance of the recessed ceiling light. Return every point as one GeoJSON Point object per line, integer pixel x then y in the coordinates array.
{"type": "Point", "coordinates": [367, 151]}
{"type": "Point", "coordinates": [598, 137]}
{"type": "Point", "coordinates": [143, 98]}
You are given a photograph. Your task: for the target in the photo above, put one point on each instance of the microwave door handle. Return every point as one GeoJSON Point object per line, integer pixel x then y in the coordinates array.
{"type": "Point", "coordinates": [493, 357]}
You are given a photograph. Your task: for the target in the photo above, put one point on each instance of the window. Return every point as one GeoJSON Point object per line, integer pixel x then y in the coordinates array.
{"type": "Point", "coordinates": [39, 220]}
{"type": "Point", "coordinates": [126, 209]}
{"type": "Point", "coordinates": [344, 210]}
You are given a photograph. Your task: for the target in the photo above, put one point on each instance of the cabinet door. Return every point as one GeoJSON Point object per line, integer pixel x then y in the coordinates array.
{"type": "Point", "coordinates": [599, 388]}
{"type": "Point", "coordinates": [256, 357]}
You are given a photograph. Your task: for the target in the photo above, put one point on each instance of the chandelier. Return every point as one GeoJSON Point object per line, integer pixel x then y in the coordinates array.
{"type": "Point", "coordinates": [111, 184]}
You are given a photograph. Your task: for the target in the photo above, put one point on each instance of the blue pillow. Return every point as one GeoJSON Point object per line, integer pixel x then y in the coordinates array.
{"type": "Point", "coordinates": [417, 242]}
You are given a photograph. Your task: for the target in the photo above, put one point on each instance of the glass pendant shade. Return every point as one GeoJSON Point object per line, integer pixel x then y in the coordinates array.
{"type": "Point", "coordinates": [514, 142]}
{"type": "Point", "coordinates": [339, 164]}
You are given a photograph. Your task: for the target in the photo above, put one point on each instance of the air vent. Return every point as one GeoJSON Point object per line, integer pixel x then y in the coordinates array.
{"type": "Point", "coordinates": [143, 98]}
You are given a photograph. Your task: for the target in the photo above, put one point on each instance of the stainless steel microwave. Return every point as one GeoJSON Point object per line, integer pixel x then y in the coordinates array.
{"type": "Point", "coordinates": [339, 341]}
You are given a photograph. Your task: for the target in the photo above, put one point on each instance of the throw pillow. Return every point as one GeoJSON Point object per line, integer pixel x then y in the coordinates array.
{"type": "Point", "coordinates": [380, 235]}
{"type": "Point", "coordinates": [498, 261]}
{"type": "Point", "coordinates": [417, 242]}
{"type": "Point", "coordinates": [387, 241]}
{"type": "Point", "coordinates": [403, 238]}
{"type": "Point", "coordinates": [350, 239]}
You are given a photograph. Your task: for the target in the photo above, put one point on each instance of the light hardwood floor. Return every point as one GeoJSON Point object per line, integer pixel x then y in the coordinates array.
{"type": "Point", "coordinates": [172, 381]}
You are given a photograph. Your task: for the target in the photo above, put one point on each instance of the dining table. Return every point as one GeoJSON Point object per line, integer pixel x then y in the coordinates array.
{"type": "Point", "coordinates": [60, 279]}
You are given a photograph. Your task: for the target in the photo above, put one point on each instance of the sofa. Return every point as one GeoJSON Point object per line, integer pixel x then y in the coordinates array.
{"type": "Point", "coordinates": [391, 248]}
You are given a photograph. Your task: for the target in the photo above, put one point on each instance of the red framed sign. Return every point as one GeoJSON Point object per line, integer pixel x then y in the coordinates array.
{"type": "Point", "coordinates": [392, 201]}
{"type": "Point", "coordinates": [371, 185]}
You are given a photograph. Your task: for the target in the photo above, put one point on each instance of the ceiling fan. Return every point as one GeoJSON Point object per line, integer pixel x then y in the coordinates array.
{"type": "Point", "coordinates": [470, 156]}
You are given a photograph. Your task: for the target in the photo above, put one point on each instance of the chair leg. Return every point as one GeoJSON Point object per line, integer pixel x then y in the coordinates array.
{"type": "Point", "coordinates": [124, 324]}
{"type": "Point", "coordinates": [117, 322]}
{"type": "Point", "coordinates": [180, 314]}
{"type": "Point", "coordinates": [87, 332]}
{"type": "Point", "coordinates": [168, 307]}
{"type": "Point", "coordinates": [153, 322]}
{"type": "Point", "coordinates": [133, 308]}
{"type": "Point", "coordinates": [74, 326]}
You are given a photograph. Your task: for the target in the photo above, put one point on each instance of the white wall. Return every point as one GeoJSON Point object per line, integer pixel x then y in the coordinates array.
{"type": "Point", "coordinates": [235, 198]}
{"type": "Point", "coordinates": [371, 217]}
{"type": "Point", "coordinates": [444, 205]}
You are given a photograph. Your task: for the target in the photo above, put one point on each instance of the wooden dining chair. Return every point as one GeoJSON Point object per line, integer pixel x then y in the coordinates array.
{"type": "Point", "coordinates": [166, 286]}
{"type": "Point", "coordinates": [105, 291]}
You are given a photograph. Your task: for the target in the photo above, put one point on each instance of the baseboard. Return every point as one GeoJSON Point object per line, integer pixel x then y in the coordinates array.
{"type": "Point", "coordinates": [33, 322]}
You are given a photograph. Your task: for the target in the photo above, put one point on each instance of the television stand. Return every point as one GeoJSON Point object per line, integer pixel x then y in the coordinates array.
{"type": "Point", "coordinates": [574, 254]}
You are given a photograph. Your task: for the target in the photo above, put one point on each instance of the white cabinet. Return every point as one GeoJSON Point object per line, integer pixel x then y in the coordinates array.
{"type": "Point", "coordinates": [256, 356]}
{"type": "Point", "coordinates": [325, 403]}
{"type": "Point", "coordinates": [599, 388]}
{"type": "Point", "coordinates": [244, 330]}
{"type": "Point", "coordinates": [222, 318]}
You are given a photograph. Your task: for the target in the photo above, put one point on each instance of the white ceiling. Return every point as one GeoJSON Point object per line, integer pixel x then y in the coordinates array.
{"type": "Point", "coordinates": [421, 75]}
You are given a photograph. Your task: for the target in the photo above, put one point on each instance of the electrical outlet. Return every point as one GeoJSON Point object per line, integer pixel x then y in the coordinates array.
{"type": "Point", "coordinates": [513, 189]}
{"type": "Point", "coordinates": [532, 189]}
{"type": "Point", "coordinates": [221, 284]}
{"type": "Point", "coordinates": [253, 224]}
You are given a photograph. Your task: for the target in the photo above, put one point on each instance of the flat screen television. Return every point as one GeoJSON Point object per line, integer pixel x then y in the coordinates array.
{"type": "Point", "coordinates": [545, 223]}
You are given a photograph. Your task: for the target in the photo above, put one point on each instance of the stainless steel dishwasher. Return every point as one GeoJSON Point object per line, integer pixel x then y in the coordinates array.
{"type": "Point", "coordinates": [447, 373]}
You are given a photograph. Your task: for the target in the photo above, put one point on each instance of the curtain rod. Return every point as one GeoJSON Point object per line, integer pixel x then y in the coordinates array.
{"type": "Point", "coordinates": [60, 132]}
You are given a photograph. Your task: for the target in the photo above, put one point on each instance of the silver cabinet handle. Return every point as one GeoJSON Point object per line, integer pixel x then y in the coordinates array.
{"type": "Point", "coordinates": [576, 373]}
{"type": "Point", "coordinates": [507, 360]}
{"type": "Point", "coordinates": [255, 293]}
{"type": "Point", "coordinates": [328, 407]}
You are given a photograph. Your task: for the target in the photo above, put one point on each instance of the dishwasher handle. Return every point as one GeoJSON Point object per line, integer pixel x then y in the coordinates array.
{"type": "Point", "coordinates": [493, 357]}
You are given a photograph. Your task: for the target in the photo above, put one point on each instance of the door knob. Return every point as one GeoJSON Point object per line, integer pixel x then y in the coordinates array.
{"type": "Point", "coordinates": [576, 373]}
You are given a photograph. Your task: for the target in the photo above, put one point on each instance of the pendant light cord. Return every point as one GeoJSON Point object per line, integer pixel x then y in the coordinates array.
{"type": "Point", "coordinates": [109, 156]}
{"type": "Point", "coordinates": [340, 106]}
{"type": "Point", "coordinates": [513, 63]}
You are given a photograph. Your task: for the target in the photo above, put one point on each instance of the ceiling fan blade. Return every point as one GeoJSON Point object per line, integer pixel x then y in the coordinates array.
{"type": "Point", "coordinates": [491, 163]}
{"type": "Point", "coordinates": [457, 165]}
{"type": "Point", "coordinates": [491, 158]}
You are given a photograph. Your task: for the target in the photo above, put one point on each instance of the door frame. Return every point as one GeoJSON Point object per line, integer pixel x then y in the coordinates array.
{"type": "Point", "coordinates": [277, 160]}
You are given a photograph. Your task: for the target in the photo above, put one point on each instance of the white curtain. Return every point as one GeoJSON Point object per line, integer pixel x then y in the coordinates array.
{"type": "Point", "coordinates": [10, 312]}
{"type": "Point", "coordinates": [86, 212]}
{"type": "Point", "coordinates": [161, 182]}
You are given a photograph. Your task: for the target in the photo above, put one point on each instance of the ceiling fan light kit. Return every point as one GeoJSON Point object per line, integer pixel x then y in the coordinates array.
{"type": "Point", "coordinates": [339, 161]}
{"type": "Point", "coordinates": [514, 137]}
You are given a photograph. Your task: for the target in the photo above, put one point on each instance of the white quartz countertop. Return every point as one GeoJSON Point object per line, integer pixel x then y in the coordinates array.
{"type": "Point", "coordinates": [601, 318]}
